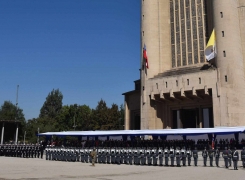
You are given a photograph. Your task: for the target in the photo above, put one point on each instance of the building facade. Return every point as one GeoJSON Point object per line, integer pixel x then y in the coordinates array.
{"type": "Point", "coordinates": [180, 89]}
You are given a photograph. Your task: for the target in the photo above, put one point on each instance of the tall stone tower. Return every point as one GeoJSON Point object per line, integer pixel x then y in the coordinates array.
{"type": "Point", "coordinates": [180, 89]}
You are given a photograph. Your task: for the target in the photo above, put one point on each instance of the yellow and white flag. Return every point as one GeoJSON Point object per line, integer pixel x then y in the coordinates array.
{"type": "Point", "coordinates": [210, 50]}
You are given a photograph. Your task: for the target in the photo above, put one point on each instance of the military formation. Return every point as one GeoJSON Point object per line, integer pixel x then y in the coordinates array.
{"type": "Point", "coordinates": [22, 151]}
{"type": "Point", "coordinates": [141, 156]}
{"type": "Point", "coordinates": [132, 156]}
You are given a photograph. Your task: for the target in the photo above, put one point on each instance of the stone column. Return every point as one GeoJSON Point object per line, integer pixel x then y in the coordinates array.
{"type": "Point", "coordinates": [229, 62]}
{"type": "Point", "coordinates": [2, 136]}
{"type": "Point", "coordinates": [16, 134]}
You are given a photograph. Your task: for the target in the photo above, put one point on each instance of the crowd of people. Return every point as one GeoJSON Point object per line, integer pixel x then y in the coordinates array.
{"type": "Point", "coordinates": [141, 143]}
{"type": "Point", "coordinates": [146, 156]}
{"type": "Point", "coordinates": [133, 152]}
{"type": "Point", "coordinates": [22, 151]}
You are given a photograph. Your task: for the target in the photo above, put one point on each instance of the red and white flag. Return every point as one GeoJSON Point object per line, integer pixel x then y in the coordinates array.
{"type": "Point", "coordinates": [145, 57]}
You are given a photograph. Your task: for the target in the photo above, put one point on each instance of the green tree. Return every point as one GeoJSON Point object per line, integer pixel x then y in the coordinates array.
{"type": "Point", "coordinates": [43, 124]}
{"type": "Point", "coordinates": [122, 116]}
{"type": "Point", "coordinates": [83, 118]}
{"type": "Point", "coordinates": [113, 117]}
{"type": "Point", "coordinates": [100, 116]}
{"type": "Point", "coordinates": [53, 105]}
{"type": "Point", "coordinates": [10, 112]}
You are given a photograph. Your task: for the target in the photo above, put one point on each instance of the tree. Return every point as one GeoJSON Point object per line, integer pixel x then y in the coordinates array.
{"type": "Point", "coordinates": [122, 116]}
{"type": "Point", "coordinates": [84, 114]}
{"type": "Point", "coordinates": [52, 106]}
{"type": "Point", "coordinates": [10, 112]}
{"type": "Point", "coordinates": [100, 116]}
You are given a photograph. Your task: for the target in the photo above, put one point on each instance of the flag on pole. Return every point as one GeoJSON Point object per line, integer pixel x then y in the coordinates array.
{"type": "Point", "coordinates": [145, 57]}
{"type": "Point", "coordinates": [210, 50]}
{"type": "Point", "coordinates": [213, 142]}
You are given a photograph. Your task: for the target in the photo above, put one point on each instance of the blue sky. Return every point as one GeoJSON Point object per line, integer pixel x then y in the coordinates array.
{"type": "Point", "coordinates": [89, 49]}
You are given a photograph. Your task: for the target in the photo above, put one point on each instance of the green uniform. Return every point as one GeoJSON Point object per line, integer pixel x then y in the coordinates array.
{"type": "Point", "coordinates": [93, 154]}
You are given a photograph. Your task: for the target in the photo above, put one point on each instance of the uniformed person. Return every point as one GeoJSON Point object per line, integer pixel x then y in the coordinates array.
{"type": "Point", "coordinates": [149, 158]}
{"type": "Point", "coordinates": [183, 156]}
{"type": "Point", "coordinates": [93, 155]}
{"type": "Point", "coordinates": [243, 157]}
{"type": "Point", "coordinates": [113, 156]}
{"type": "Point", "coordinates": [47, 152]}
{"type": "Point", "coordinates": [1, 150]}
{"type": "Point", "coordinates": [217, 155]}
{"type": "Point", "coordinates": [205, 155]}
{"type": "Point", "coordinates": [125, 156]}
{"type": "Point", "coordinates": [225, 156]}
{"type": "Point", "coordinates": [211, 156]}
{"type": "Point", "coordinates": [108, 156]}
{"type": "Point", "coordinates": [195, 155]}
{"type": "Point", "coordinates": [118, 157]}
{"type": "Point", "coordinates": [86, 155]}
{"type": "Point", "coordinates": [188, 153]}
{"type": "Point", "coordinates": [160, 157]}
{"type": "Point", "coordinates": [154, 157]}
{"type": "Point", "coordinates": [229, 156]}
{"type": "Point", "coordinates": [130, 157]}
{"type": "Point", "coordinates": [235, 158]}
{"type": "Point", "coordinates": [143, 157]}
{"type": "Point", "coordinates": [172, 155]}
{"type": "Point", "coordinates": [178, 156]}
{"type": "Point", "coordinates": [82, 155]}
{"type": "Point", "coordinates": [135, 157]}
{"type": "Point", "coordinates": [121, 156]}
{"type": "Point", "coordinates": [166, 155]}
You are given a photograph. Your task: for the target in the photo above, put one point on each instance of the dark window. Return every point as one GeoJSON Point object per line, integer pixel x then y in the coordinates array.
{"type": "Point", "coordinates": [176, 82]}
{"type": "Point", "coordinates": [200, 81]}
{"type": "Point", "coordinates": [188, 82]}
{"type": "Point", "coordinates": [166, 83]}
{"type": "Point", "coordinates": [157, 85]}
{"type": "Point", "coordinates": [221, 14]}
{"type": "Point", "coordinates": [223, 33]}
{"type": "Point", "coordinates": [226, 78]}
{"type": "Point", "coordinates": [224, 53]}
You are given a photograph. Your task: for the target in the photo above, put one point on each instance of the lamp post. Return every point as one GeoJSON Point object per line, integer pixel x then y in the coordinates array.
{"type": "Point", "coordinates": [74, 126]}
{"type": "Point", "coordinates": [38, 135]}
{"type": "Point", "coordinates": [25, 138]}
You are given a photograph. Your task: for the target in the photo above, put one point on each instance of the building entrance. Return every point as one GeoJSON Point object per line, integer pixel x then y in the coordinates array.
{"type": "Point", "coordinates": [192, 118]}
{"type": "Point", "coordinates": [135, 120]}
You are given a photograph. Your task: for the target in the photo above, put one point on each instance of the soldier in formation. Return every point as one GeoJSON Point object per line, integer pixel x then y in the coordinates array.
{"type": "Point", "coordinates": [217, 155]}
{"type": "Point", "coordinates": [195, 156]}
{"type": "Point", "coordinates": [22, 151]}
{"type": "Point", "coordinates": [178, 156]}
{"type": "Point", "coordinates": [172, 155]}
{"type": "Point", "coordinates": [93, 155]}
{"type": "Point", "coordinates": [211, 156]}
{"type": "Point", "coordinates": [229, 156]}
{"type": "Point", "coordinates": [183, 156]}
{"type": "Point", "coordinates": [204, 155]}
{"type": "Point", "coordinates": [138, 156]}
{"type": "Point", "coordinates": [235, 158]}
{"type": "Point", "coordinates": [166, 154]}
{"type": "Point", "coordinates": [189, 156]}
{"type": "Point", "coordinates": [225, 155]}
{"type": "Point", "coordinates": [243, 157]}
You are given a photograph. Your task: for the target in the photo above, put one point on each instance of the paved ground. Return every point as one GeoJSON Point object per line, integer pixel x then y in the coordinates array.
{"type": "Point", "coordinates": [40, 169]}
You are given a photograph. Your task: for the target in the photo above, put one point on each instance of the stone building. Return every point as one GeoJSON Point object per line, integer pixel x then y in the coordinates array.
{"type": "Point", "coordinates": [180, 89]}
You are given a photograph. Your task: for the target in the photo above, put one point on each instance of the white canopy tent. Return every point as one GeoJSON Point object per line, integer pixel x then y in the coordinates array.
{"type": "Point", "coordinates": [157, 132]}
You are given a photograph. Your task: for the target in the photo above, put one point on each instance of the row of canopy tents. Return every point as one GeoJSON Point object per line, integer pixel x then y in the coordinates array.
{"type": "Point", "coordinates": [156, 132]}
